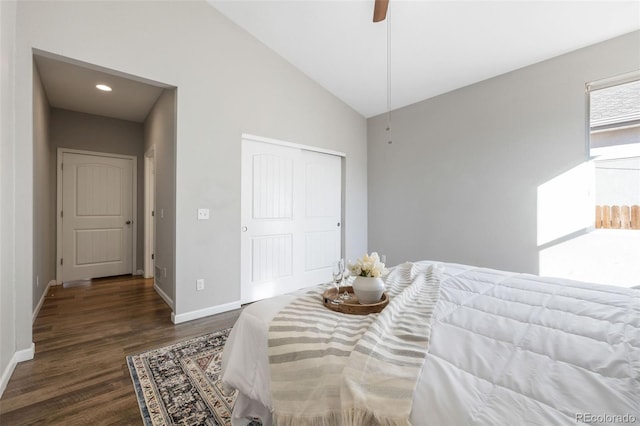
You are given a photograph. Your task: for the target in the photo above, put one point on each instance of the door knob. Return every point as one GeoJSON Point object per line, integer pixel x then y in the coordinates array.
{"type": "Point", "coordinates": [338, 224]}
{"type": "Point", "coordinates": [244, 229]}
{"type": "Point", "coordinates": [128, 222]}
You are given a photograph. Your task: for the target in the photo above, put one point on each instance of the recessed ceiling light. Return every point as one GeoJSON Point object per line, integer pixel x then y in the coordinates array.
{"type": "Point", "coordinates": [103, 87]}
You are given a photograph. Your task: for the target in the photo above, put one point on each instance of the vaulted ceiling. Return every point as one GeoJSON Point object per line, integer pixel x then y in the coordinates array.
{"type": "Point", "coordinates": [435, 46]}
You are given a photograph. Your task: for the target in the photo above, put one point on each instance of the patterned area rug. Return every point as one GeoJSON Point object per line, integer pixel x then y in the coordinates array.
{"type": "Point", "coordinates": [182, 383]}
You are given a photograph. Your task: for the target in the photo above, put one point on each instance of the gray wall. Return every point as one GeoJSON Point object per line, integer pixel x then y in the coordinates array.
{"type": "Point", "coordinates": [459, 182]}
{"type": "Point", "coordinates": [10, 325]}
{"type": "Point", "coordinates": [160, 133]}
{"type": "Point", "coordinates": [44, 194]}
{"type": "Point", "coordinates": [76, 130]}
{"type": "Point", "coordinates": [228, 83]}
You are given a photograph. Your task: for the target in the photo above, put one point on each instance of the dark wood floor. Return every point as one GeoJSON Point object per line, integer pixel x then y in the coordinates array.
{"type": "Point", "coordinates": [82, 334]}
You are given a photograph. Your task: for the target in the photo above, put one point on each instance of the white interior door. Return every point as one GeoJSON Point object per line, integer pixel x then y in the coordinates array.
{"type": "Point", "coordinates": [291, 210]}
{"type": "Point", "coordinates": [97, 216]}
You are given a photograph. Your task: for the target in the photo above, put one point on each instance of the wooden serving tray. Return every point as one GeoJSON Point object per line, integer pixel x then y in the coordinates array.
{"type": "Point", "coordinates": [352, 306]}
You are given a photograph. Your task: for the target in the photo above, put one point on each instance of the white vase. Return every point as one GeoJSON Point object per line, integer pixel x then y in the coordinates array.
{"type": "Point", "coordinates": [368, 289]}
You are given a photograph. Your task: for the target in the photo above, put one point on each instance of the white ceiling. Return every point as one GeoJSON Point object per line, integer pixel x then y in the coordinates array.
{"type": "Point", "coordinates": [72, 85]}
{"type": "Point", "coordinates": [436, 46]}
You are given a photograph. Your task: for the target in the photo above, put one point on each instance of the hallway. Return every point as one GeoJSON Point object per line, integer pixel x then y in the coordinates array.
{"type": "Point", "coordinates": [82, 335]}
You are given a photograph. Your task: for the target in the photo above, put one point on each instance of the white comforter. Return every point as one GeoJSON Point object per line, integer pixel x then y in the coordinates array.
{"type": "Point", "coordinates": [505, 349]}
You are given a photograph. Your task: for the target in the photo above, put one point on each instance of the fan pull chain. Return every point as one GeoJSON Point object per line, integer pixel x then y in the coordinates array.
{"type": "Point", "coordinates": [389, 141]}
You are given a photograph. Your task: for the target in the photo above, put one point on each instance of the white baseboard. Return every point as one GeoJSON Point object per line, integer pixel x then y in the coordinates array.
{"type": "Point", "coordinates": [6, 374]}
{"type": "Point", "coordinates": [36, 311]}
{"type": "Point", "coordinates": [163, 295]}
{"type": "Point", "coordinates": [201, 313]}
{"type": "Point", "coordinates": [23, 355]}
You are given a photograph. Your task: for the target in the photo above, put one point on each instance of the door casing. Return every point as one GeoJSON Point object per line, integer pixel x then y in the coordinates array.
{"type": "Point", "coordinates": [149, 211]}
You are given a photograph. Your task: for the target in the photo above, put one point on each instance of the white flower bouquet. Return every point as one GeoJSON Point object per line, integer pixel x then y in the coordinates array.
{"type": "Point", "coordinates": [368, 266]}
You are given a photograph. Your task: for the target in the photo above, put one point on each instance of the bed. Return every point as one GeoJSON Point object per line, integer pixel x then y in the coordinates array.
{"type": "Point", "coordinates": [504, 348]}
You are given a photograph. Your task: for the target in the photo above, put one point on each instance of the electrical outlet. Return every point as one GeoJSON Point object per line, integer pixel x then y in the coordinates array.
{"type": "Point", "coordinates": [200, 284]}
{"type": "Point", "coordinates": [203, 214]}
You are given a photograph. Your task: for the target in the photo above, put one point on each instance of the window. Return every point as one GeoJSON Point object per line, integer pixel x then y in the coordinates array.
{"type": "Point", "coordinates": [614, 147]}
{"type": "Point", "coordinates": [572, 242]}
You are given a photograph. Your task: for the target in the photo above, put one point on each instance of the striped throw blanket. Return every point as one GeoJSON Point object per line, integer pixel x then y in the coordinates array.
{"type": "Point", "coordinates": [329, 368]}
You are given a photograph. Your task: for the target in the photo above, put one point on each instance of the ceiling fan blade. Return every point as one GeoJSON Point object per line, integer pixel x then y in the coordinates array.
{"type": "Point", "coordinates": [380, 10]}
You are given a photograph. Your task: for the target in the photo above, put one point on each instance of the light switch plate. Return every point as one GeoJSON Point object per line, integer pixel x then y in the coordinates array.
{"type": "Point", "coordinates": [200, 284]}
{"type": "Point", "coordinates": [203, 214]}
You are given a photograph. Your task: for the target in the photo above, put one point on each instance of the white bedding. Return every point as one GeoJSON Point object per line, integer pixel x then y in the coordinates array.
{"type": "Point", "coordinates": [505, 349]}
